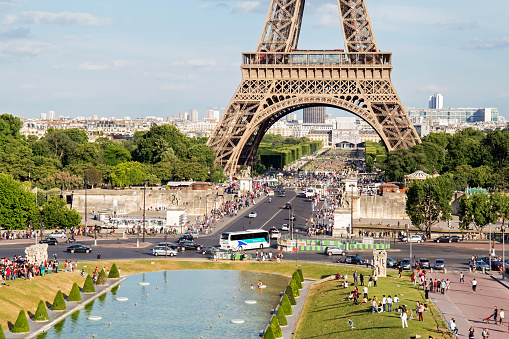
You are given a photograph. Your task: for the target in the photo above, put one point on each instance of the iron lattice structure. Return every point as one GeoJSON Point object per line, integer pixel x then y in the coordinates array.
{"type": "Point", "coordinates": [279, 79]}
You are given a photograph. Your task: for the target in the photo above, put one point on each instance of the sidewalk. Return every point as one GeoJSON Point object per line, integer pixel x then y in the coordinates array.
{"type": "Point", "coordinates": [293, 319]}
{"type": "Point", "coordinates": [468, 308]}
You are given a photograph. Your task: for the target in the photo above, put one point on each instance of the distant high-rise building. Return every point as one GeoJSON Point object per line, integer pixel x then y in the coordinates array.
{"type": "Point", "coordinates": [212, 115]}
{"type": "Point", "coordinates": [436, 101]}
{"type": "Point", "coordinates": [183, 116]}
{"type": "Point", "coordinates": [291, 117]}
{"type": "Point", "coordinates": [193, 115]}
{"type": "Point", "coordinates": [43, 116]}
{"type": "Point", "coordinates": [51, 115]}
{"type": "Point", "coordinates": [314, 115]}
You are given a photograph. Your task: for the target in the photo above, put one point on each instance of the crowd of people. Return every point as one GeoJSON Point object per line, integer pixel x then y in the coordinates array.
{"type": "Point", "coordinates": [19, 268]}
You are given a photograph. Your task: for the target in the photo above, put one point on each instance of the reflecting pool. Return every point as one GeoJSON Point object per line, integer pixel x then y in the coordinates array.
{"type": "Point", "coordinates": [178, 304]}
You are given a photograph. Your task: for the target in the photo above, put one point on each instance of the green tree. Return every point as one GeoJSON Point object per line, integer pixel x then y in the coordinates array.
{"type": "Point", "coordinates": [59, 144]}
{"type": "Point", "coordinates": [77, 135]}
{"type": "Point", "coordinates": [151, 146]}
{"type": "Point", "coordinates": [192, 170]}
{"type": "Point", "coordinates": [435, 156]}
{"type": "Point", "coordinates": [129, 173]}
{"type": "Point", "coordinates": [9, 128]}
{"type": "Point", "coordinates": [55, 213]}
{"type": "Point", "coordinates": [281, 317]}
{"type": "Point", "coordinates": [84, 153]}
{"type": "Point", "coordinates": [402, 162]}
{"type": "Point", "coordinates": [75, 294]}
{"type": "Point", "coordinates": [41, 314]}
{"type": "Point", "coordinates": [428, 202]}
{"type": "Point", "coordinates": [17, 204]}
{"type": "Point", "coordinates": [287, 306]}
{"type": "Point", "coordinates": [102, 279]}
{"type": "Point", "coordinates": [16, 159]}
{"type": "Point", "coordinates": [463, 149]}
{"type": "Point", "coordinates": [203, 153]}
{"type": "Point", "coordinates": [369, 163]}
{"type": "Point", "coordinates": [21, 325]}
{"type": "Point", "coordinates": [289, 293]}
{"type": "Point", "coordinates": [88, 286]}
{"type": "Point", "coordinates": [441, 139]}
{"type": "Point", "coordinates": [115, 154]}
{"type": "Point", "coordinates": [93, 176]}
{"type": "Point", "coordinates": [477, 209]}
{"type": "Point", "coordinates": [58, 302]}
{"type": "Point", "coordinates": [276, 328]}
{"type": "Point", "coordinates": [495, 150]}
{"type": "Point", "coordinates": [114, 272]}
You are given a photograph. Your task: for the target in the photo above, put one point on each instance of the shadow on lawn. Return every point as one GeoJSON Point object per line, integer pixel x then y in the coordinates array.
{"type": "Point", "coordinates": [337, 334]}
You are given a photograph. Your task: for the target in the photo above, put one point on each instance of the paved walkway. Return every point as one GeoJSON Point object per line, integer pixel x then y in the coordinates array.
{"type": "Point", "coordinates": [468, 308]}
{"type": "Point", "coordinates": [293, 319]}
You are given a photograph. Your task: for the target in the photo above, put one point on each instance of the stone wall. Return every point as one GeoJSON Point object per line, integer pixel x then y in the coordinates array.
{"type": "Point", "coordinates": [388, 206]}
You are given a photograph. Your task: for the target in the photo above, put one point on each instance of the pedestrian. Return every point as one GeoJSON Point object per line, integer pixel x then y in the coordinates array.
{"type": "Point", "coordinates": [98, 256]}
{"type": "Point", "coordinates": [453, 327]}
{"type": "Point", "coordinates": [400, 270]}
{"type": "Point", "coordinates": [404, 317]}
{"type": "Point", "coordinates": [420, 311]}
{"type": "Point", "coordinates": [384, 303]}
{"type": "Point", "coordinates": [375, 280]}
{"type": "Point", "coordinates": [351, 323]}
{"type": "Point", "coordinates": [471, 333]}
{"type": "Point", "coordinates": [474, 285]}
{"type": "Point", "coordinates": [365, 291]}
{"type": "Point", "coordinates": [355, 275]}
{"type": "Point", "coordinates": [389, 304]}
{"type": "Point", "coordinates": [426, 293]}
{"type": "Point", "coordinates": [501, 315]}
{"type": "Point", "coordinates": [485, 333]}
{"type": "Point", "coordinates": [361, 278]}
{"type": "Point", "coordinates": [370, 280]}
{"type": "Point", "coordinates": [442, 286]}
{"type": "Point", "coordinates": [495, 314]}
{"type": "Point", "coordinates": [462, 277]}
{"type": "Point", "coordinates": [447, 285]}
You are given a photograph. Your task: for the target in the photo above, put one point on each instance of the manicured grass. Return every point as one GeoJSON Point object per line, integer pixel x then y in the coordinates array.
{"type": "Point", "coordinates": [325, 315]}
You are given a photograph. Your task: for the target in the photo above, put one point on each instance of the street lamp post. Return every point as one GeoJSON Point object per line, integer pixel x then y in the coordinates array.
{"type": "Point", "coordinates": [144, 210]}
{"type": "Point", "coordinates": [350, 232]}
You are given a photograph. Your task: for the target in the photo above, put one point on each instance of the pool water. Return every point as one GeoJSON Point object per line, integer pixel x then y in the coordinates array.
{"type": "Point", "coordinates": [179, 304]}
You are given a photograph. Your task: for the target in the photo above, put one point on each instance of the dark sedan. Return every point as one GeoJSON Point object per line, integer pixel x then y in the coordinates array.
{"type": "Point", "coordinates": [49, 241]}
{"type": "Point", "coordinates": [443, 239]}
{"type": "Point", "coordinates": [185, 245]}
{"type": "Point", "coordinates": [79, 248]}
{"type": "Point", "coordinates": [496, 265]}
{"type": "Point", "coordinates": [455, 238]}
{"type": "Point", "coordinates": [424, 263]}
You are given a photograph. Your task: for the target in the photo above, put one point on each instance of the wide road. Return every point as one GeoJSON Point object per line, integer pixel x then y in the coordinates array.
{"type": "Point", "coordinates": [268, 215]}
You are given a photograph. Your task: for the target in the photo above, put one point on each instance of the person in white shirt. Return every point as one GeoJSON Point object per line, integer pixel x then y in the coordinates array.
{"type": "Point", "coordinates": [389, 304]}
{"type": "Point", "coordinates": [452, 326]}
{"type": "Point", "coordinates": [384, 303]}
{"type": "Point", "coordinates": [365, 290]}
{"type": "Point", "coordinates": [501, 315]}
{"type": "Point", "coordinates": [403, 319]}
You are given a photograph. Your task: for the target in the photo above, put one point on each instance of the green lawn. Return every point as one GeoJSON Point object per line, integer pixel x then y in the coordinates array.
{"type": "Point", "coordinates": [326, 316]}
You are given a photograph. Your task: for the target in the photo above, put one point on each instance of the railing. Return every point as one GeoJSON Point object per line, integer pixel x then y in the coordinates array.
{"type": "Point", "coordinates": [317, 58]}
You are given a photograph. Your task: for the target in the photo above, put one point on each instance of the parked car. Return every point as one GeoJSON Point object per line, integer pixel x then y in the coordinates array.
{"type": "Point", "coordinates": [194, 234]}
{"type": "Point", "coordinates": [185, 245]}
{"type": "Point", "coordinates": [443, 239]}
{"type": "Point", "coordinates": [186, 237]}
{"type": "Point", "coordinates": [49, 241]}
{"type": "Point", "coordinates": [405, 264]}
{"type": "Point", "coordinates": [334, 250]}
{"type": "Point", "coordinates": [413, 238]}
{"type": "Point", "coordinates": [209, 250]}
{"type": "Point", "coordinates": [252, 215]}
{"type": "Point", "coordinates": [164, 250]}
{"type": "Point", "coordinates": [439, 264]}
{"type": "Point", "coordinates": [455, 238]}
{"type": "Point", "coordinates": [79, 248]}
{"type": "Point", "coordinates": [169, 245]}
{"type": "Point", "coordinates": [479, 265]}
{"type": "Point", "coordinates": [496, 265]}
{"type": "Point", "coordinates": [285, 227]}
{"type": "Point", "coordinates": [355, 259]}
{"type": "Point", "coordinates": [391, 262]}
{"type": "Point", "coordinates": [58, 234]}
{"type": "Point", "coordinates": [424, 263]}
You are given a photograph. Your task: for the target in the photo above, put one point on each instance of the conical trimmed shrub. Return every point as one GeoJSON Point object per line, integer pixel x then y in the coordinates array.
{"type": "Point", "coordinates": [75, 294]}
{"type": "Point", "coordinates": [281, 317]}
{"type": "Point", "coordinates": [2, 334]}
{"type": "Point", "coordinates": [59, 302]}
{"type": "Point", "coordinates": [102, 279]}
{"type": "Point", "coordinates": [114, 272]}
{"type": "Point", "coordinates": [289, 293]}
{"type": "Point", "coordinates": [88, 286]}
{"type": "Point", "coordinates": [269, 334]}
{"type": "Point", "coordinates": [285, 304]}
{"type": "Point", "coordinates": [295, 289]}
{"type": "Point", "coordinates": [41, 314]}
{"type": "Point", "coordinates": [296, 278]}
{"type": "Point", "coordinates": [21, 325]}
{"type": "Point", "coordinates": [276, 328]}
{"type": "Point", "coordinates": [301, 275]}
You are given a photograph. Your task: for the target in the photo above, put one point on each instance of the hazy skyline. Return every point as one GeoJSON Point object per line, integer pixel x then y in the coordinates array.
{"type": "Point", "coordinates": [131, 58]}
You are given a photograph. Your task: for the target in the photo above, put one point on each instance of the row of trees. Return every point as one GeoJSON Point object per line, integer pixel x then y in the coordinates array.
{"type": "Point", "coordinates": [473, 158]}
{"type": "Point", "coordinates": [66, 159]}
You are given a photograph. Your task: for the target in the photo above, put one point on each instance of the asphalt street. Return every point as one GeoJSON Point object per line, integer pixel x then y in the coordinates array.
{"type": "Point", "coordinates": [269, 214]}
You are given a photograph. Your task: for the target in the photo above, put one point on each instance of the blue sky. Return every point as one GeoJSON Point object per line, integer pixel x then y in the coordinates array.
{"type": "Point", "coordinates": [139, 58]}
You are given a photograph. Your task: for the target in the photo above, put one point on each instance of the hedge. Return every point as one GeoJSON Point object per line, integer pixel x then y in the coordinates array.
{"type": "Point", "coordinates": [276, 328]}
{"type": "Point", "coordinates": [296, 279]}
{"type": "Point", "coordinates": [59, 302]}
{"type": "Point", "coordinates": [21, 325]}
{"type": "Point", "coordinates": [114, 272]}
{"type": "Point", "coordinates": [295, 288]}
{"type": "Point", "coordinates": [289, 293]}
{"type": "Point", "coordinates": [285, 304]}
{"type": "Point", "coordinates": [41, 314]}
{"type": "Point", "coordinates": [75, 294]}
{"type": "Point", "coordinates": [281, 316]}
{"type": "Point", "coordinates": [269, 334]}
{"type": "Point", "coordinates": [2, 334]}
{"type": "Point", "coordinates": [102, 279]}
{"type": "Point", "coordinates": [300, 275]}
{"type": "Point", "coordinates": [88, 286]}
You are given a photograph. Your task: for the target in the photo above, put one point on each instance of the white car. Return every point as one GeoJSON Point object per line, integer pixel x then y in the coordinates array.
{"type": "Point", "coordinates": [413, 238]}
{"type": "Point", "coordinates": [252, 215]}
{"type": "Point", "coordinates": [330, 250]}
{"type": "Point", "coordinates": [164, 250]}
{"type": "Point", "coordinates": [274, 234]}
{"type": "Point", "coordinates": [58, 234]}
{"type": "Point", "coordinates": [285, 227]}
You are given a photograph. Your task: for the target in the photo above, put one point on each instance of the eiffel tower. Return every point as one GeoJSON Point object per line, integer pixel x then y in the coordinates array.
{"type": "Point", "coordinates": [279, 79]}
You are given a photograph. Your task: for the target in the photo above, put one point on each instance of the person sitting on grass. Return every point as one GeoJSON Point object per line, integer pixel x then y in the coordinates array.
{"type": "Point", "coordinates": [350, 297]}
{"type": "Point", "coordinates": [351, 323]}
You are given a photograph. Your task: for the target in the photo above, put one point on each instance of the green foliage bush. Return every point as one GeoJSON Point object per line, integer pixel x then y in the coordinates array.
{"type": "Point", "coordinates": [289, 293]}
{"type": "Point", "coordinates": [114, 272]}
{"type": "Point", "coordinates": [276, 328]}
{"type": "Point", "coordinates": [285, 304]}
{"type": "Point", "coordinates": [269, 334]}
{"type": "Point", "coordinates": [41, 314]}
{"type": "Point", "coordinates": [75, 294]}
{"type": "Point", "coordinates": [88, 286]}
{"type": "Point", "coordinates": [2, 335]}
{"type": "Point", "coordinates": [21, 325]}
{"type": "Point", "coordinates": [295, 288]}
{"type": "Point", "coordinates": [281, 317]}
{"type": "Point", "coordinates": [59, 302]}
{"type": "Point", "coordinates": [102, 279]}
{"type": "Point", "coordinates": [296, 279]}
{"type": "Point", "coordinates": [301, 275]}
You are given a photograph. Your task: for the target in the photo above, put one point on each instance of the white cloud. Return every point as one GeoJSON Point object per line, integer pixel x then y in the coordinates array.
{"type": "Point", "coordinates": [458, 25]}
{"type": "Point", "coordinates": [175, 87]}
{"type": "Point", "coordinates": [329, 16]}
{"type": "Point", "coordinates": [123, 63]}
{"type": "Point", "coordinates": [27, 86]}
{"type": "Point", "coordinates": [432, 88]}
{"type": "Point", "coordinates": [244, 7]}
{"type": "Point", "coordinates": [88, 66]}
{"type": "Point", "coordinates": [494, 43]}
{"type": "Point", "coordinates": [75, 37]}
{"type": "Point", "coordinates": [24, 48]}
{"type": "Point", "coordinates": [61, 18]}
{"type": "Point", "coordinates": [196, 63]}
